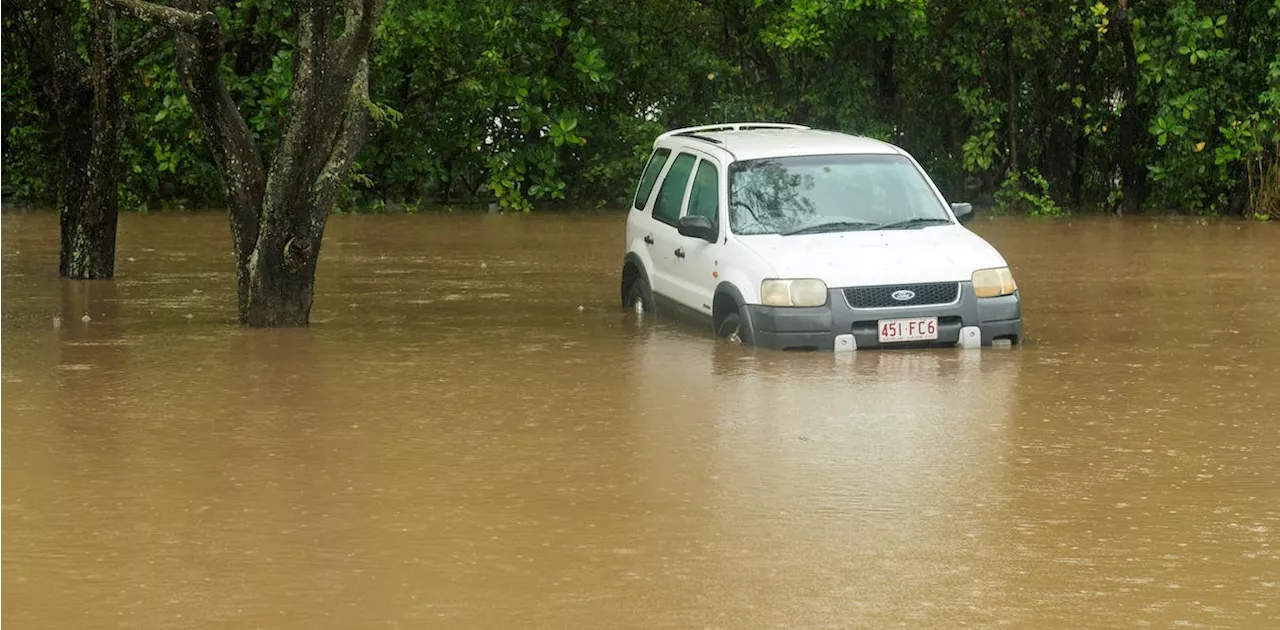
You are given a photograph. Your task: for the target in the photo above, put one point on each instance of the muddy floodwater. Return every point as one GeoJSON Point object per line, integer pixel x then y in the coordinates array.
{"type": "Point", "coordinates": [473, 434]}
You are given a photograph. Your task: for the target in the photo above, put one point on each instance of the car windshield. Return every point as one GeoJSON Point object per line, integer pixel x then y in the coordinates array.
{"type": "Point", "coordinates": [830, 193]}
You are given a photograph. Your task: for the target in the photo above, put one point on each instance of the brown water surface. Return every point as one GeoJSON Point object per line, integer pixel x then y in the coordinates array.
{"type": "Point", "coordinates": [473, 434]}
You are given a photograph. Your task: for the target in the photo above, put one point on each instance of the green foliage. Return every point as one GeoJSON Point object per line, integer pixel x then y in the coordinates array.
{"type": "Point", "coordinates": [1028, 193]}
{"type": "Point", "coordinates": [539, 102]}
{"type": "Point", "coordinates": [30, 161]}
{"type": "Point", "coordinates": [1212, 85]}
{"type": "Point", "coordinates": [981, 148]}
{"type": "Point", "coordinates": [166, 163]}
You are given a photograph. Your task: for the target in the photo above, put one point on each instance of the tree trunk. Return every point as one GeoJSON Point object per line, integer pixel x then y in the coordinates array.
{"type": "Point", "coordinates": [87, 219]}
{"type": "Point", "coordinates": [1079, 160]}
{"type": "Point", "coordinates": [89, 226]}
{"type": "Point", "coordinates": [886, 80]}
{"type": "Point", "coordinates": [1132, 121]}
{"type": "Point", "coordinates": [987, 176]}
{"type": "Point", "coordinates": [88, 109]}
{"type": "Point", "coordinates": [89, 232]}
{"type": "Point", "coordinates": [278, 216]}
{"type": "Point", "coordinates": [86, 119]}
{"type": "Point", "coordinates": [331, 85]}
{"type": "Point", "coordinates": [1013, 103]}
{"type": "Point", "coordinates": [1081, 73]}
{"type": "Point", "coordinates": [1054, 110]}
{"type": "Point", "coordinates": [278, 285]}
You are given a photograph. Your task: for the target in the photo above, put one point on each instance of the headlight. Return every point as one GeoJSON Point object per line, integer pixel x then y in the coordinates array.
{"type": "Point", "coordinates": [993, 282]}
{"type": "Point", "coordinates": [800, 292]}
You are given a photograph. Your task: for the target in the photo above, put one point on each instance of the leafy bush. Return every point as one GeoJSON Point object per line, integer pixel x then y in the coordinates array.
{"type": "Point", "coordinates": [1027, 192]}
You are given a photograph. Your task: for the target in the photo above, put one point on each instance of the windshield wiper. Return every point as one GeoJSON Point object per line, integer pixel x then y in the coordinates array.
{"type": "Point", "coordinates": [913, 222]}
{"type": "Point", "coordinates": [831, 226]}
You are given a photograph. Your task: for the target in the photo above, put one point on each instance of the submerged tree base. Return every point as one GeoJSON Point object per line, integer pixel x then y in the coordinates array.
{"type": "Point", "coordinates": [264, 313]}
{"type": "Point", "coordinates": [88, 245]}
{"type": "Point", "coordinates": [272, 296]}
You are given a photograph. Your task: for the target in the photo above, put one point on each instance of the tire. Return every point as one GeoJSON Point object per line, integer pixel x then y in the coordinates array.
{"type": "Point", "coordinates": [732, 330]}
{"type": "Point", "coordinates": [640, 298]}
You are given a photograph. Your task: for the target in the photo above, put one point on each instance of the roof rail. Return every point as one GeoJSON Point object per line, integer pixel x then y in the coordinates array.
{"type": "Point", "coordinates": [731, 127]}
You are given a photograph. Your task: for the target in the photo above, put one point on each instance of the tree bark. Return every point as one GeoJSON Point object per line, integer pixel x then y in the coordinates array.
{"type": "Point", "coordinates": [89, 227]}
{"type": "Point", "coordinates": [87, 249]}
{"type": "Point", "coordinates": [886, 79]}
{"type": "Point", "coordinates": [1132, 174]}
{"type": "Point", "coordinates": [1014, 88]}
{"type": "Point", "coordinates": [1081, 72]}
{"type": "Point", "coordinates": [88, 109]}
{"type": "Point", "coordinates": [82, 116]}
{"type": "Point", "coordinates": [1053, 113]}
{"type": "Point", "coordinates": [278, 216]}
{"type": "Point", "coordinates": [199, 59]}
{"type": "Point", "coordinates": [89, 216]}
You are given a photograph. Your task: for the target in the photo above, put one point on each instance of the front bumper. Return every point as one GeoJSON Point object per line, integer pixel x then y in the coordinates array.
{"type": "Point", "coordinates": [817, 328]}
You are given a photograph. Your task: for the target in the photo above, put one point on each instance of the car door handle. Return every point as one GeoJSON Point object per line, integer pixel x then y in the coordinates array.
{"type": "Point", "coordinates": [648, 239]}
{"type": "Point", "coordinates": [679, 252]}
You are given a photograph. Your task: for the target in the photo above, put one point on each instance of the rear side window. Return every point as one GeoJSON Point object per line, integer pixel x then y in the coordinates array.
{"type": "Point", "coordinates": [656, 162]}
{"type": "Point", "coordinates": [671, 194]}
{"type": "Point", "coordinates": [704, 198]}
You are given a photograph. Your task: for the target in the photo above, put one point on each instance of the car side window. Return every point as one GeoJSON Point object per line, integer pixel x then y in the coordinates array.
{"type": "Point", "coordinates": [656, 162]}
{"type": "Point", "coordinates": [671, 194]}
{"type": "Point", "coordinates": [704, 197]}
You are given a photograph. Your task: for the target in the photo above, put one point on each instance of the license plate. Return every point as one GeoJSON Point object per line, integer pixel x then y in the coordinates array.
{"type": "Point", "coordinates": [910, 329]}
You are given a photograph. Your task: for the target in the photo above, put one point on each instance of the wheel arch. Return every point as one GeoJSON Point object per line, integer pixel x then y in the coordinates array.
{"type": "Point", "coordinates": [632, 269]}
{"type": "Point", "coordinates": [727, 299]}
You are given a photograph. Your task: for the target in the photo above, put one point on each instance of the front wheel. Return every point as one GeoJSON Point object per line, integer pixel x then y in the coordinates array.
{"type": "Point", "coordinates": [732, 330]}
{"type": "Point", "coordinates": [640, 298]}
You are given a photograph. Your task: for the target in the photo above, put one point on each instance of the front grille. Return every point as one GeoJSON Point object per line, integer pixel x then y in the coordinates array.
{"type": "Point", "coordinates": [882, 297]}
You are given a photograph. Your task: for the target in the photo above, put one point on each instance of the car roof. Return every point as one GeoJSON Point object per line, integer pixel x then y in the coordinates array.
{"type": "Point", "coordinates": [750, 141]}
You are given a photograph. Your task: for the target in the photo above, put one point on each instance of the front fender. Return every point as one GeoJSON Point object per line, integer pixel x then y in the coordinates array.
{"type": "Point", "coordinates": [745, 291]}
{"type": "Point", "coordinates": [742, 267]}
{"type": "Point", "coordinates": [636, 260]}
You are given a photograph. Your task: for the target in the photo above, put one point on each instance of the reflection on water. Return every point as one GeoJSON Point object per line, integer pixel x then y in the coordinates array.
{"type": "Point", "coordinates": [474, 435]}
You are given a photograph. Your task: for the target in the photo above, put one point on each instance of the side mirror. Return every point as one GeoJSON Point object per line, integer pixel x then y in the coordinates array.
{"type": "Point", "coordinates": [697, 227]}
{"type": "Point", "coordinates": [963, 211]}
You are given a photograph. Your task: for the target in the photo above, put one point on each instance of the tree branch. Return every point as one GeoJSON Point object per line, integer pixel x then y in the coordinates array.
{"type": "Point", "coordinates": [199, 62]}
{"type": "Point", "coordinates": [141, 47]}
{"type": "Point", "coordinates": [160, 15]}
{"type": "Point", "coordinates": [106, 119]}
{"type": "Point", "coordinates": [361, 21]}
{"type": "Point", "coordinates": [48, 29]}
{"type": "Point", "coordinates": [347, 143]}
{"type": "Point", "coordinates": [300, 127]}
{"type": "Point", "coordinates": [418, 94]}
{"type": "Point", "coordinates": [355, 11]}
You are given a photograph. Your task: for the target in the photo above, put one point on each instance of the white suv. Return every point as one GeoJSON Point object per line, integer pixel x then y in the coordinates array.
{"type": "Point", "coordinates": [786, 237]}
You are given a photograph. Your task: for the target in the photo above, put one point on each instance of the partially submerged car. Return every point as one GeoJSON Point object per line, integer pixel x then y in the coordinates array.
{"type": "Point", "coordinates": [786, 237]}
